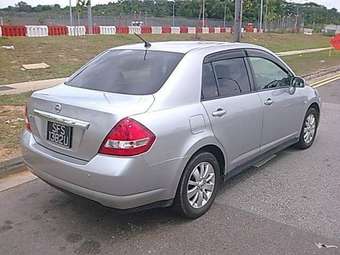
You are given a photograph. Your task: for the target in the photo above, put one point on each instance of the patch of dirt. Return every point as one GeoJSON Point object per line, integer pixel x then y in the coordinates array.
{"type": "Point", "coordinates": [7, 153]}
{"type": "Point", "coordinates": [6, 108]}
{"type": "Point", "coordinates": [11, 124]}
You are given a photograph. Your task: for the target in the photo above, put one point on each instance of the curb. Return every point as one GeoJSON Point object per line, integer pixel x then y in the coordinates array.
{"type": "Point", "coordinates": [11, 165]}
{"type": "Point", "coordinates": [321, 73]}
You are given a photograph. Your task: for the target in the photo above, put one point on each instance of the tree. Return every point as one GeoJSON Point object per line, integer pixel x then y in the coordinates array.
{"type": "Point", "coordinates": [23, 7]}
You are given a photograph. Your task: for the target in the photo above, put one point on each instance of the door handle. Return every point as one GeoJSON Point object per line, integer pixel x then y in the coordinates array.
{"type": "Point", "coordinates": [269, 101]}
{"type": "Point", "coordinates": [219, 112]}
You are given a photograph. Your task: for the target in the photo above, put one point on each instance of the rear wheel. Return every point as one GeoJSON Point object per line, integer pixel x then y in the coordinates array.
{"type": "Point", "coordinates": [198, 186]}
{"type": "Point", "coordinates": [309, 128]}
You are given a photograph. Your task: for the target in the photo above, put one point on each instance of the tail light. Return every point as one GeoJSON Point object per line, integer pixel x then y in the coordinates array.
{"type": "Point", "coordinates": [27, 122]}
{"type": "Point", "coordinates": [127, 138]}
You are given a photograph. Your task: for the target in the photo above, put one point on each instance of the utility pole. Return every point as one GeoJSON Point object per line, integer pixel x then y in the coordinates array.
{"type": "Point", "coordinates": [71, 16]}
{"type": "Point", "coordinates": [266, 17]}
{"type": "Point", "coordinates": [173, 13]}
{"type": "Point", "coordinates": [203, 13]}
{"type": "Point", "coordinates": [89, 17]}
{"type": "Point", "coordinates": [238, 20]}
{"type": "Point", "coordinates": [225, 12]}
{"type": "Point", "coordinates": [296, 19]}
{"type": "Point", "coordinates": [261, 16]}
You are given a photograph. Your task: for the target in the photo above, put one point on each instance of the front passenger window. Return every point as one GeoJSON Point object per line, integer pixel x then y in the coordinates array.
{"type": "Point", "coordinates": [268, 75]}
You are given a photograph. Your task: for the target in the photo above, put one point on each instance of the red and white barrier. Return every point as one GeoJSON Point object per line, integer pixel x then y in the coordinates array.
{"type": "Point", "coordinates": [57, 30]}
{"type": "Point", "coordinates": [135, 29]}
{"type": "Point", "coordinates": [175, 30]}
{"type": "Point", "coordinates": [156, 30]}
{"type": "Point", "coordinates": [95, 30]}
{"type": "Point", "coordinates": [122, 30]}
{"type": "Point", "coordinates": [146, 29]}
{"type": "Point", "coordinates": [13, 31]}
{"type": "Point", "coordinates": [76, 30]}
{"type": "Point", "coordinates": [183, 30]}
{"type": "Point", "coordinates": [166, 30]}
{"type": "Point", "coordinates": [107, 30]}
{"type": "Point", "coordinates": [191, 30]}
{"type": "Point", "coordinates": [205, 30]}
{"type": "Point", "coordinates": [36, 31]}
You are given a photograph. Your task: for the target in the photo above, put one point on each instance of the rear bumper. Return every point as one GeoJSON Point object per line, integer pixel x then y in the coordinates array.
{"type": "Point", "coordinates": [116, 182]}
{"type": "Point", "coordinates": [119, 202]}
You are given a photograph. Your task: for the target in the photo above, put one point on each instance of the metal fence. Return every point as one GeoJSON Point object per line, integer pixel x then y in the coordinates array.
{"type": "Point", "coordinates": [284, 24]}
{"type": "Point", "coordinates": [31, 19]}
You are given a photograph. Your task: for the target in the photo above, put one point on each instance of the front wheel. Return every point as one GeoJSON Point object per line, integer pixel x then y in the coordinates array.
{"type": "Point", "coordinates": [309, 128]}
{"type": "Point", "coordinates": [198, 186]}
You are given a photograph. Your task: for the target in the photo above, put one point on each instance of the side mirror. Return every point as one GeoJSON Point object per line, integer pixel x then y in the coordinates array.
{"type": "Point", "coordinates": [296, 82]}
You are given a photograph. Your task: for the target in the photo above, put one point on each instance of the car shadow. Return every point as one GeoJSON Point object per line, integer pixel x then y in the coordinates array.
{"type": "Point", "coordinates": [83, 215]}
{"type": "Point", "coordinates": [252, 171]}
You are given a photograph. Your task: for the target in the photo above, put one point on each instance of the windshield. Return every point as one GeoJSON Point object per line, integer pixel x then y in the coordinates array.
{"type": "Point", "coordinates": [134, 72]}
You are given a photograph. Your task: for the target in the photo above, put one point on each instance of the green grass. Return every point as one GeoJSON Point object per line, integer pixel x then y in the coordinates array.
{"type": "Point", "coordinates": [311, 62]}
{"type": "Point", "coordinates": [11, 123]}
{"type": "Point", "coordinates": [66, 54]}
{"type": "Point", "coordinates": [16, 99]}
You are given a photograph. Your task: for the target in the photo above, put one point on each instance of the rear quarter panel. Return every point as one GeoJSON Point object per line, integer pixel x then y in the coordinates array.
{"type": "Point", "coordinates": [180, 132]}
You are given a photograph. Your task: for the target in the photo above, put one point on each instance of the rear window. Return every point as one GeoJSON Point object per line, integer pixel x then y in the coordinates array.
{"type": "Point", "coordinates": [134, 72]}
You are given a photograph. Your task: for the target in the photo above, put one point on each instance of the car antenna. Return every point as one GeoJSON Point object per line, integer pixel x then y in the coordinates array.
{"type": "Point", "coordinates": [146, 43]}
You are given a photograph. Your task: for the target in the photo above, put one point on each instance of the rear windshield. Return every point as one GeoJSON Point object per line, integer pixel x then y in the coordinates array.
{"type": "Point", "coordinates": [135, 72]}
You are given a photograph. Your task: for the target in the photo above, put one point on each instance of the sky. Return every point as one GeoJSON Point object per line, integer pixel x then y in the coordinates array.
{"type": "Point", "coordinates": [5, 3]}
{"type": "Point", "coordinates": [328, 3]}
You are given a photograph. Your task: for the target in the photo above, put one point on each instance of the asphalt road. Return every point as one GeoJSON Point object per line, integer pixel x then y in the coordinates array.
{"type": "Point", "coordinates": [283, 207]}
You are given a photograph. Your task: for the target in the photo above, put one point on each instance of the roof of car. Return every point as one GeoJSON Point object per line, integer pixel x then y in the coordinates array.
{"type": "Point", "coordinates": [186, 46]}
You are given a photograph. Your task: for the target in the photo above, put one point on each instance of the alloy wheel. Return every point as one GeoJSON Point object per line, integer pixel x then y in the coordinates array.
{"type": "Point", "coordinates": [309, 128]}
{"type": "Point", "coordinates": [201, 184]}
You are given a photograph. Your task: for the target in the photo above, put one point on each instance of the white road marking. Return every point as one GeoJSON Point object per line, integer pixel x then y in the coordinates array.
{"type": "Point", "coordinates": [321, 245]}
{"type": "Point", "coordinates": [330, 80]}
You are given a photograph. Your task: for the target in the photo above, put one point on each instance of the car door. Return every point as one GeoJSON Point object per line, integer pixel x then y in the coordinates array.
{"type": "Point", "coordinates": [235, 112]}
{"type": "Point", "coordinates": [281, 109]}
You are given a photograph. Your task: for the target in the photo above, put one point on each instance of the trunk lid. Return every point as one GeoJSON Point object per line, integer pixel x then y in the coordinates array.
{"type": "Point", "coordinates": [91, 115]}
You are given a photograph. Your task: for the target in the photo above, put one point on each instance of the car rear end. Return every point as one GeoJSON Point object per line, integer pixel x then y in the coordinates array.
{"type": "Point", "coordinates": [87, 136]}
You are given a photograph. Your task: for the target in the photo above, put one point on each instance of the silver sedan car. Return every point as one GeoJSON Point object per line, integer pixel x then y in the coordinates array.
{"type": "Point", "coordinates": [165, 124]}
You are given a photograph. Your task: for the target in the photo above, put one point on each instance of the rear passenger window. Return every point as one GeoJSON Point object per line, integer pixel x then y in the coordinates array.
{"type": "Point", "coordinates": [232, 77]}
{"type": "Point", "coordinates": [209, 88]}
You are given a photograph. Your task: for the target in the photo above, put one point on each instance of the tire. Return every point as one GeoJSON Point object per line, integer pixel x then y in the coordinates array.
{"type": "Point", "coordinates": [305, 141]}
{"type": "Point", "coordinates": [206, 188]}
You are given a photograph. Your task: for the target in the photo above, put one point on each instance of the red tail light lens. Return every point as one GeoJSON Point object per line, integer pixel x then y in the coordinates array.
{"type": "Point", "coordinates": [127, 138]}
{"type": "Point", "coordinates": [27, 122]}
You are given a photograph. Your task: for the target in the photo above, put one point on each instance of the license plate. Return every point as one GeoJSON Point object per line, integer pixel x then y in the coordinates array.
{"type": "Point", "coordinates": [59, 134]}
